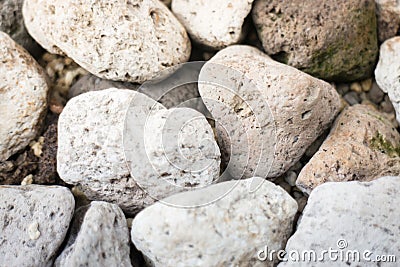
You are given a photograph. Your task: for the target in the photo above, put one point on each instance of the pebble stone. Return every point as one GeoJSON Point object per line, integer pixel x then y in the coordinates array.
{"type": "Point", "coordinates": [222, 233]}
{"type": "Point", "coordinates": [332, 40]}
{"type": "Point", "coordinates": [23, 97]}
{"type": "Point", "coordinates": [103, 239]}
{"type": "Point", "coordinates": [387, 71]}
{"type": "Point", "coordinates": [34, 221]}
{"type": "Point", "coordinates": [117, 40]}
{"type": "Point", "coordinates": [362, 145]}
{"type": "Point", "coordinates": [101, 139]}
{"type": "Point", "coordinates": [214, 24]}
{"type": "Point", "coordinates": [270, 112]}
{"type": "Point", "coordinates": [352, 216]}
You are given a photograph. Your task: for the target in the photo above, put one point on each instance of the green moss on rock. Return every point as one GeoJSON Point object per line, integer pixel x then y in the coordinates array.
{"type": "Point", "coordinates": [380, 143]}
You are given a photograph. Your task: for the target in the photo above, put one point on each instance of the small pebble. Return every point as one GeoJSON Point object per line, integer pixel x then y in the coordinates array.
{"type": "Point", "coordinates": [27, 180]}
{"type": "Point", "coordinates": [33, 231]}
{"type": "Point", "coordinates": [291, 177]}
{"type": "Point", "coordinates": [356, 87]}
{"type": "Point", "coordinates": [352, 98]}
{"type": "Point", "coordinates": [366, 85]}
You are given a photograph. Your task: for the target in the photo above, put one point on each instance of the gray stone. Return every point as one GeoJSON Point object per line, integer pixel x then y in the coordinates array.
{"type": "Point", "coordinates": [266, 113]}
{"type": "Point", "coordinates": [103, 239]}
{"type": "Point", "coordinates": [23, 97]}
{"type": "Point", "coordinates": [352, 98]}
{"type": "Point", "coordinates": [388, 12]}
{"type": "Point", "coordinates": [117, 40]}
{"type": "Point", "coordinates": [214, 24]}
{"type": "Point", "coordinates": [224, 232]}
{"type": "Point", "coordinates": [362, 145]}
{"type": "Point", "coordinates": [376, 94]}
{"type": "Point", "coordinates": [348, 217]}
{"type": "Point", "coordinates": [12, 23]}
{"type": "Point", "coordinates": [34, 220]}
{"type": "Point", "coordinates": [332, 40]}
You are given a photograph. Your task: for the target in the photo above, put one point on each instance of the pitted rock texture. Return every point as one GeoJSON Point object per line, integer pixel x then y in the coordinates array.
{"type": "Point", "coordinates": [214, 24]}
{"type": "Point", "coordinates": [225, 232]}
{"type": "Point", "coordinates": [118, 40]}
{"type": "Point", "coordinates": [90, 145]}
{"type": "Point", "coordinates": [387, 72]}
{"type": "Point", "coordinates": [34, 220]}
{"type": "Point", "coordinates": [388, 12]}
{"type": "Point", "coordinates": [12, 23]}
{"type": "Point", "coordinates": [103, 239]}
{"type": "Point", "coordinates": [352, 216]}
{"type": "Point", "coordinates": [170, 151]}
{"type": "Point", "coordinates": [266, 113]}
{"type": "Point", "coordinates": [362, 145]}
{"type": "Point", "coordinates": [99, 132]}
{"type": "Point", "coordinates": [23, 97]}
{"type": "Point", "coordinates": [332, 40]}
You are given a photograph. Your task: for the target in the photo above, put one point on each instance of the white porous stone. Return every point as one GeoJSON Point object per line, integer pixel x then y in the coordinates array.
{"type": "Point", "coordinates": [34, 220]}
{"type": "Point", "coordinates": [266, 113]}
{"type": "Point", "coordinates": [105, 136]}
{"type": "Point", "coordinates": [90, 145]}
{"type": "Point", "coordinates": [23, 97]}
{"type": "Point", "coordinates": [103, 239]}
{"type": "Point", "coordinates": [215, 24]}
{"type": "Point", "coordinates": [387, 72]}
{"type": "Point", "coordinates": [352, 216]}
{"type": "Point", "coordinates": [176, 151]}
{"type": "Point", "coordinates": [117, 40]}
{"type": "Point", "coordinates": [227, 232]}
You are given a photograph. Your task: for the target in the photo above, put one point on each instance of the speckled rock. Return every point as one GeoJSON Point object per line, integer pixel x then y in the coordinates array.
{"type": "Point", "coordinates": [388, 12]}
{"type": "Point", "coordinates": [320, 37]}
{"type": "Point", "coordinates": [12, 23]}
{"type": "Point", "coordinates": [348, 217]}
{"type": "Point", "coordinates": [103, 239]}
{"type": "Point", "coordinates": [33, 221]}
{"type": "Point", "coordinates": [23, 97]}
{"type": "Point", "coordinates": [267, 113]}
{"type": "Point", "coordinates": [224, 233]}
{"type": "Point", "coordinates": [99, 132]}
{"type": "Point", "coordinates": [215, 24]}
{"type": "Point", "coordinates": [387, 71]}
{"type": "Point", "coordinates": [118, 40]}
{"type": "Point", "coordinates": [362, 145]}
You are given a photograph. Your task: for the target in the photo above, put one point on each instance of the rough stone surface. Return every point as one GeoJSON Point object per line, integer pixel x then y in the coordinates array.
{"type": "Point", "coordinates": [223, 233]}
{"type": "Point", "coordinates": [23, 97]}
{"type": "Point", "coordinates": [33, 221]}
{"type": "Point", "coordinates": [388, 12]}
{"type": "Point", "coordinates": [270, 112]}
{"type": "Point", "coordinates": [12, 23]}
{"type": "Point", "coordinates": [362, 145]}
{"type": "Point", "coordinates": [215, 24]}
{"type": "Point", "coordinates": [94, 147]}
{"type": "Point", "coordinates": [169, 91]}
{"type": "Point", "coordinates": [387, 72]}
{"type": "Point", "coordinates": [90, 82]}
{"type": "Point", "coordinates": [320, 37]}
{"type": "Point", "coordinates": [117, 40]}
{"type": "Point", "coordinates": [362, 214]}
{"type": "Point", "coordinates": [103, 239]}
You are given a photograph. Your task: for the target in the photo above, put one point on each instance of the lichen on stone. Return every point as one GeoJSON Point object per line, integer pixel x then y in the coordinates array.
{"type": "Point", "coordinates": [379, 142]}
